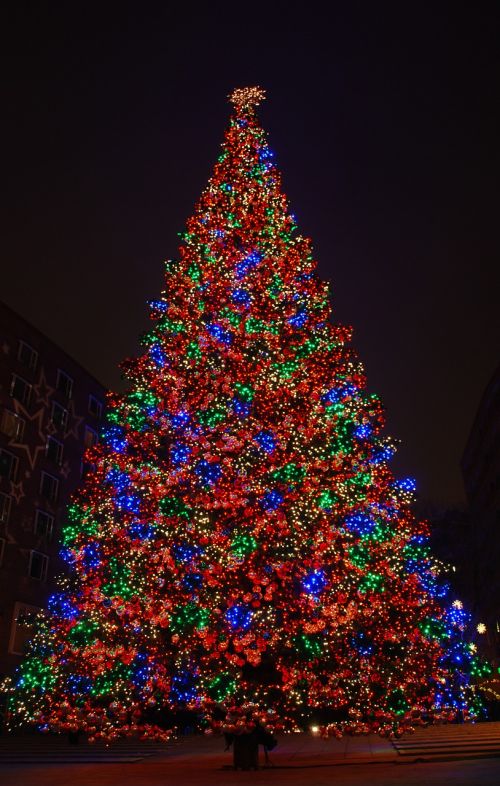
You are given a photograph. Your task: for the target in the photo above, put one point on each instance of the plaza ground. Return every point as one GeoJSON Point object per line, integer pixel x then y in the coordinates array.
{"type": "Point", "coordinates": [462, 756]}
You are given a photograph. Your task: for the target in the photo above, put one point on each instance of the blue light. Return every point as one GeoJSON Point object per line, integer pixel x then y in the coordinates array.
{"type": "Point", "coordinates": [336, 394]}
{"type": "Point", "coordinates": [314, 583]}
{"type": "Point", "coordinates": [91, 555]}
{"type": "Point", "coordinates": [239, 617]}
{"type": "Point", "coordinates": [458, 617]}
{"type": "Point", "coordinates": [265, 154]}
{"type": "Point", "coordinates": [158, 305]}
{"type": "Point", "coordinates": [242, 408]}
{"type": "Point", "coordinates": [192, 582]}
{"type": "Point", "coordinates": [266, 441]}
{"type": "Point", "coordinates": [179, 454]}
{"type": "Point", "coordinates": [67, 555]}
{"type": "Point", "coordinates": [129, 503]}
{"type": "Point", "coordinates": [219, 333]}
{"type": "Point", "coordinates": [241, 297]}
{"type": "Point", "coordinates": [62, 606]}
{"type": "Point", "coordinates": [180, 421]}
{"type": "Point", "coordinates": [385, 453]}
{"type": "Point", "coordinates": [363, 432]}
{"type": "Point", "coordinates": [362, 643]}
{"type": "Point", "coordinates": [185, 552]}
{"type": "Point", "coordinates": [77, 683]}
{"type": "Point", "coordinates": [157, 355]}
{"type": "Point", "coordinates": [272, 500]}
{"type": "Point", "coordinates": [431, 584]}
{"type": "Point", "coordinates": [332, 396]}
{"type": "Point", "coordinates": [208, 472]}
{"type": "Point", "coordinates": [360, 524]}
{"type": "Point", "coordinates": [299, 319]}
{"type": "Point", "coordinates": [251, 261]}
{"type": "Point", "coordinates": [120, 480]}
{"type": "Point", "coordinates": [183, 687]}
{"type": "Point", "coordinates": [115, 438]}
{"type": "Point", "coordinates": [408, 485]}
{"type": "Point", "coordinates": [141, 670]}
{"type": "Point", "coordinates": [139, 530]}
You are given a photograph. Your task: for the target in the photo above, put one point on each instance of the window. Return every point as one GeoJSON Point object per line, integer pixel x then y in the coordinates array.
{"type": "Point", "coordinates": [89, 438]}
{"type": "Point", "coordinates": [59, 415]}
{"type": "Point", "coordinates": [20, 390]}
{"type": "Point", "coordinates": [44, 524]}
{"type": "Point", "coordinates": [2, 550]}
{"type": "Point", "coordinates": [23, 627]}
{"type": "Point", "coordinates": [4, 507]}
{"type": "Point", "coordinates": [27, 355]}
{"type": "Point", "coordinates": [38, 565]}
{"type": "Point", "coordinates": [12, 425]}
{"type": "Point", "coordinates": [87, 468]}
{"type": "Point", "coordinates": [54, 451]}
{"type": "Point", "coordinates": [8, 464]}
{"type": "Point", "coordinates": [95, 406]}
{"type": "Point", "coordinates": [64, 383]}
{"type": "Point", "coordinates": [49, 487]}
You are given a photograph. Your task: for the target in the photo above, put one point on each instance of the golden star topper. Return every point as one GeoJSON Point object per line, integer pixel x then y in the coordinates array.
{"type": "Point", "coordinates": [246, 98]}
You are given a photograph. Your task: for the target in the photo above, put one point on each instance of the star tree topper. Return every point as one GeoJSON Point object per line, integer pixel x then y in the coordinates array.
{"type": "Point", "coordinates": [246, 98]}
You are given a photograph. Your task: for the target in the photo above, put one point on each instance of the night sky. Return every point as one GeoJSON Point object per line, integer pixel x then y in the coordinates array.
{"type": "Point", "coordinates": [383, 120]}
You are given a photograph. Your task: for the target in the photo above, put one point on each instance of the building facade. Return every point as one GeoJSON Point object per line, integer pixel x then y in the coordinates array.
{"type": "Point", "coordinates": [50, 412]}
{"type": "Point", "coordinates": [481, 473]}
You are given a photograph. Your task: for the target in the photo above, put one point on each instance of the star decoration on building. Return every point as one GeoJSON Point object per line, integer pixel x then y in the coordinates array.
{"type": "Point", "coordinates": [74, 421]}
{"type": "Point", "coordinates": [31, 451]}
{"type": "Point", "coordinates": [17, 491]}
{"type": "Point", "coordinates": [65, 469]}
{"type": "Point", "coordinates": [50, 428]}
{"type": "Point", "coordinates": [42, 390]}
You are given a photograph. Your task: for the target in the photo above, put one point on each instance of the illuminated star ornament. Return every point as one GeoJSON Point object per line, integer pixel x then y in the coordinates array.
{"type": "Point", "coordinates": [246, 98]}
{"type": "Point", "coordinates": [241, 537]}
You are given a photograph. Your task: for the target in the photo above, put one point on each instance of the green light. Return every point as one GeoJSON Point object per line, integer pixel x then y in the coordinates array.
{"type": "Point", "coordinates": [243, 544]}
{"type": "Point", "coordinates": [189, 616]}
{"type": "Point", "coordinates": [245, 392]}
{"type": "Point", "coordinates": [221, 686]}
{"type": "Point", "coordinates": [309, 647]}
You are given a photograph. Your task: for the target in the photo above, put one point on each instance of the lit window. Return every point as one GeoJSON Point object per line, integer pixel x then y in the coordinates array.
{"type": "Point", "coordinates": [20, 390]}
{"type": "Point", "coordinates": [89, 438]}
{"type": "Point", "coordinates": [22, 628]}
{"type": "Point", "coordinates": [54, 451]}
{"type": "Point", "coordinates": [8, 464]}
{"type": "Point", "coordinates": [87, 468]}
{"type": "Point", "coordinates": [95, 406]}
{"type": "Point", "coordinates": [38, 565]}
{"type": "Point", "coordinates": [4, 507]}
{"type": "Point", "coordinates": [64, 383]}
{"type": "Point", "coordinates": [44, 524]}
{"type": "Point", "coordinates": [12, 425]}
{"type": "Point", "coordinates": [49, 487]}
{"type": "Point", "coordinates": [59, 415]}
{"type": "Point", "coordinates": [27, 355]}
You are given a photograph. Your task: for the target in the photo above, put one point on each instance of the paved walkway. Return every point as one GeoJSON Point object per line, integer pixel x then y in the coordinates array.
{"type": "Point", "coordinates": [297, 751]}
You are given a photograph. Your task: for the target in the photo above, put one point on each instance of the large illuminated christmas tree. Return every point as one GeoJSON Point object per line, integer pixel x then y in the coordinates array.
{"type": "Point", "coordinates": [241, 537]}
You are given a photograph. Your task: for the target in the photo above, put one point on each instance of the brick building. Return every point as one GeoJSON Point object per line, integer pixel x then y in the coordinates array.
{"type": "Point", "coordinates": [50, 411]}
{"type": "Point", "coordinates": [481, 473]}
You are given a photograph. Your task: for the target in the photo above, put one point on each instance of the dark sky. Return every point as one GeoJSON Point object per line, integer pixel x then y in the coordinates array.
{"type": "Point", "coordinates": [382, 117]}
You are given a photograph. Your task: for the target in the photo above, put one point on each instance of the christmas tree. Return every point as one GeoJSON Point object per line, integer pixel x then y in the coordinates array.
{"type": "Point", "coordinates": [241, 537]}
